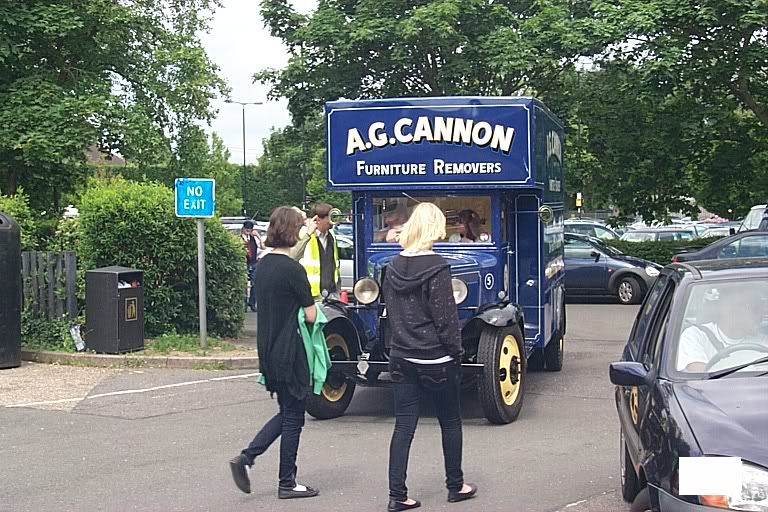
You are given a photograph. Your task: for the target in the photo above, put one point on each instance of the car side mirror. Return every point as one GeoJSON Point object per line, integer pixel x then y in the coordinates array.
{"type": "Point", "coordinates": [628, 373]}
{"type": "Point", "coordinates": [595, 255]}
{"type": "Point", "coordinates": [732, 230]}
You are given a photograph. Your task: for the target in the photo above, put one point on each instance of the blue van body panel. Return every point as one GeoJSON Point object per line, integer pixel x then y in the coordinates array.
{"type": "Point", "coordinates": [507, 149]}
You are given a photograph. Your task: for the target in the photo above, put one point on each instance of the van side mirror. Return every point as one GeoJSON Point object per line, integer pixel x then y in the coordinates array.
{"type": "Point", "coordinates": [628, 373]}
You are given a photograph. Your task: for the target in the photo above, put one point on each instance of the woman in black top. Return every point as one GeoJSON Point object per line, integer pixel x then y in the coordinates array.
{"type": "Point", "coordinates": [282, 288]}
{"type": "Point", "coordinates": [425, 355]}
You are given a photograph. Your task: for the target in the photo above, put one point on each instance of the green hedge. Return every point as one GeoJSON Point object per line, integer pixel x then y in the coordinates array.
{"type": "Point", "coordinates": [17, 206]}
{"type": "Point", "coordinates": [659, 252]}
{"type": "Point", "coordinates": [134, 225]}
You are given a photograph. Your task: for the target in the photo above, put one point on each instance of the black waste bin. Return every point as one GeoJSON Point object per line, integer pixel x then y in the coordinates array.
{"type": "Point", "coordinates": [114, 310]}
{"type": "Point", "coordinates": [10, 292]}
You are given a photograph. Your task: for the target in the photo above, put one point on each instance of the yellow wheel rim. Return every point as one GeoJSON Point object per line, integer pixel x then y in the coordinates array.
{"type": "Point", "coordinates": [336, 346]}
{"type": "Point", "coordinates": [509, 370]}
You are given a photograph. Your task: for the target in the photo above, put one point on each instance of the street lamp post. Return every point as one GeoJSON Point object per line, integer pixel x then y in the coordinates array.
{"type": "Point", "coordinates": [243, 180]}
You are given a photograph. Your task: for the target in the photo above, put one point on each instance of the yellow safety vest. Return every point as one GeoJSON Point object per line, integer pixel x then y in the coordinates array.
{"type": "Point", "coordinates": [311, 263]}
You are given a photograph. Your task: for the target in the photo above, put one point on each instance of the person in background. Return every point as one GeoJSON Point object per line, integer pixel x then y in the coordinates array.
{"type": "Point", "coordinates": [308, 227]}
{"type": "Point", "coordinates": [425, 358]}
{"type": "Point", "coordinates": [469, 227]}
{"type": "Point", "coordinates": [320, 256]}
{"type": "Point", "coordinates": [281, 290]}
{"type": "Point", "coordinates": [395, 217]}
{"type": "Point", "coordinates": [734, 319]}
{"type": "Point", "coordinates": [253, 244]}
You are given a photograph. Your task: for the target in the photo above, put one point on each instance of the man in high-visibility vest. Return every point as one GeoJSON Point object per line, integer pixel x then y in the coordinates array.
{"type": "Point", "coordinates": [320, 256]}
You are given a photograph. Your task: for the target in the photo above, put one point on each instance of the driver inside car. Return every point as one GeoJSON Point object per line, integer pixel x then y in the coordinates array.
{"type": "Point", "coordinates": [733, 319]}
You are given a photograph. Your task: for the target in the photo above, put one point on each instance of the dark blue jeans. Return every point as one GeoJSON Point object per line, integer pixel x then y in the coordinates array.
{"type": "Point", "coordinates": [286, 425]}
{"type": "Point", "coordinates": [251, 300]}
{"type": "Point", "coordinates": [441, 383]}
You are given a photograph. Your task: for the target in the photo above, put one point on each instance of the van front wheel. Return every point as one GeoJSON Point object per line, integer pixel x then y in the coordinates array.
{"type": "Point", "coordinates": [502, 384]}
{"type": "Point", "coordinates": [337, 391]}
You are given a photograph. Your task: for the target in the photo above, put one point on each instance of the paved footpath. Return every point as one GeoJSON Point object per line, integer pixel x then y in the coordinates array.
{"type": "Point", "coordinates": [85, 439]}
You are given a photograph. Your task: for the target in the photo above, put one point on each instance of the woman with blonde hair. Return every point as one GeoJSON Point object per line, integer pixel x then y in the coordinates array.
{"type": "Point", "coordinates": [425, 354]}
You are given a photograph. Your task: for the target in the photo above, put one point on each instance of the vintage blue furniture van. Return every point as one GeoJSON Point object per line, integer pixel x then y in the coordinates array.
{"type": "Point", "coordinates": [495, 168]}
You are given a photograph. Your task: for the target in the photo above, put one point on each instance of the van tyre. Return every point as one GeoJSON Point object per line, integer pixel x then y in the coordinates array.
{"type": "Point", "coordinates": [553, 353]}
{"type": "Point", "coordinates": [337, 391]}
{"type": "Point", "coordinates": [628, 290]}
{"type": "Point", "coordinates": [630, 483]}
{"type": "Point", "coordinates": [502, 384]}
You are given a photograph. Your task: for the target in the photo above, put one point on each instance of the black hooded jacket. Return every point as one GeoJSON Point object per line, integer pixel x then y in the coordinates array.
{"type": "Point", "coordinates": [423, 320]}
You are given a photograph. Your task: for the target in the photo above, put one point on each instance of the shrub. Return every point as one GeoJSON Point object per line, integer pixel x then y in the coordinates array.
{"type": "Point", "coordinates": [659, 252]}
{"type": "Point", "coordinates": [17, 206]}
{"type": "Point", "coordinates": [134, 225]}
{"type": "Point", "coordinates": [67, 236]}
{"type": "Point", "coordinates": [44, 334]}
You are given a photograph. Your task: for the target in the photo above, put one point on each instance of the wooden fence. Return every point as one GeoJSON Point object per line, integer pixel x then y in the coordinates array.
{"type": "Point", "coordinates": [49, 284]}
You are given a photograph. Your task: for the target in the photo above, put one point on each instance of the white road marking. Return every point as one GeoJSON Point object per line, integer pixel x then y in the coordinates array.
{"type": "Point", "coordinates": [135, 391]}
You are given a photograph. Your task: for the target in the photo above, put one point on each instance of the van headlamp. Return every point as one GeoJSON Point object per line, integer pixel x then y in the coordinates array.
{"type": "Point", "coordinates": [460, 290]}
{"type": "Point", "coordinates": [366, 291]}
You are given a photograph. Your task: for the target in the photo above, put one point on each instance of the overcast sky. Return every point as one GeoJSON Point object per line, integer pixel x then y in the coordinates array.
{"type": "Point", "coordinates": [240, 45]}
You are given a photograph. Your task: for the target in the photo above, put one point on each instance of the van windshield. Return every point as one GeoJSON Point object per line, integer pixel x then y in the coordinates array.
{"type": "Point", "coordinates": [468, 218]}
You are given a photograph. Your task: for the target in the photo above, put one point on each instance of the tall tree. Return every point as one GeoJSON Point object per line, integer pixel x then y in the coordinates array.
{"type": "Point", "coordinates": [385, 48]}
{"type": "Point", "coordinates": [715, 51]}
{"type": "Point", "coordinates": [127, 76]}
{"type": "Point", "coordinates": [292, 170]}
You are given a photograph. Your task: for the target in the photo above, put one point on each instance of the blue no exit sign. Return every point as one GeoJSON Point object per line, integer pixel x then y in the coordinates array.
{"type": "Point", "coordinates": [195, 197]}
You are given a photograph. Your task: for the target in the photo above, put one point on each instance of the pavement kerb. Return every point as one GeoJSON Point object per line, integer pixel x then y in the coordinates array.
{"type": "Point", "coordinates": [140, 361]}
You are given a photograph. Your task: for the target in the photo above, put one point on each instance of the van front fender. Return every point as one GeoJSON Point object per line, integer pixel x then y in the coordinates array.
{"type": "Point", "coordinates": [496, 315]}
{"type": "Point", "coordinates": [340, 322]}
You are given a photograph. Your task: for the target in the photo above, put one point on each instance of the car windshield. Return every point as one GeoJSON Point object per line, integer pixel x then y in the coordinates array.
{"type": "Point", "coordinates": [725, 324]}
{"type": "Point", "coordinates": [610, 250]}
{"type": "Point", "coordinates": [753, 218]}
{"type": "Point", "coordinates": [468, 218]}
{"type": "Point", "coordinates": [715, 232]}
{"type": "Point", "coordinates": [638, 236]}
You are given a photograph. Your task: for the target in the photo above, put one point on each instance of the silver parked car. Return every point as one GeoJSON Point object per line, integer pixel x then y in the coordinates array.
{"type": "Point", "coordinates": [347, 260]}
{"type": "Point", "coordinates": [659, 234]}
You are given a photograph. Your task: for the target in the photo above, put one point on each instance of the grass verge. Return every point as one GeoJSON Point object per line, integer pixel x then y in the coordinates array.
{"type": "Point", "coordinates": [188, 344]}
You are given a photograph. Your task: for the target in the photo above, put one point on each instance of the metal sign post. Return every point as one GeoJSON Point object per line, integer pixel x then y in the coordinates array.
{"type": "Point", "coordinates": [201, 283]}
{"type": "Point", "coordinates": [196, 198]}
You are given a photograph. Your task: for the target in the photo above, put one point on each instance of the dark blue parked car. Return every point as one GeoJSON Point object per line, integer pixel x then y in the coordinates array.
{"type": "Point", "coordinates": [693, 382]}
{"type": "Point", "coordinates": [595, 269]}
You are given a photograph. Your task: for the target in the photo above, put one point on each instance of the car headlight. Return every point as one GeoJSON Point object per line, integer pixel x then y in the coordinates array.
{"type": "Point", "coordinates": [366, 291]}
{"type": "Point", "coordinates": [651, 271]}
{"type": "Point", "coordinates": [754, 492]}
{"type": "Point", "coordinates": [460, 290]}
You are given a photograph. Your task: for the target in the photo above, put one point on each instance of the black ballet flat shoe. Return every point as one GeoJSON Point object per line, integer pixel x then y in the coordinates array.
{"type": "Point", "coordinates": [239, 467]}
{"type": "Point", "coordinates": [455, 497]}
{"type": "Point", "coordinates": [397, 506]}
{"type": "Point", "coordinates": [289, 494]}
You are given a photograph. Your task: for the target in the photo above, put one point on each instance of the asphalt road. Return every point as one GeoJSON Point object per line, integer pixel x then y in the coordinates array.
{"type": "Point", "coordinates": [82, 439]}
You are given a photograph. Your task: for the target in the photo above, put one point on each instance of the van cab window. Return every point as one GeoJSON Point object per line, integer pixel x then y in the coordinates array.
{"type": "Point", "coordinates": [468, 218]}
